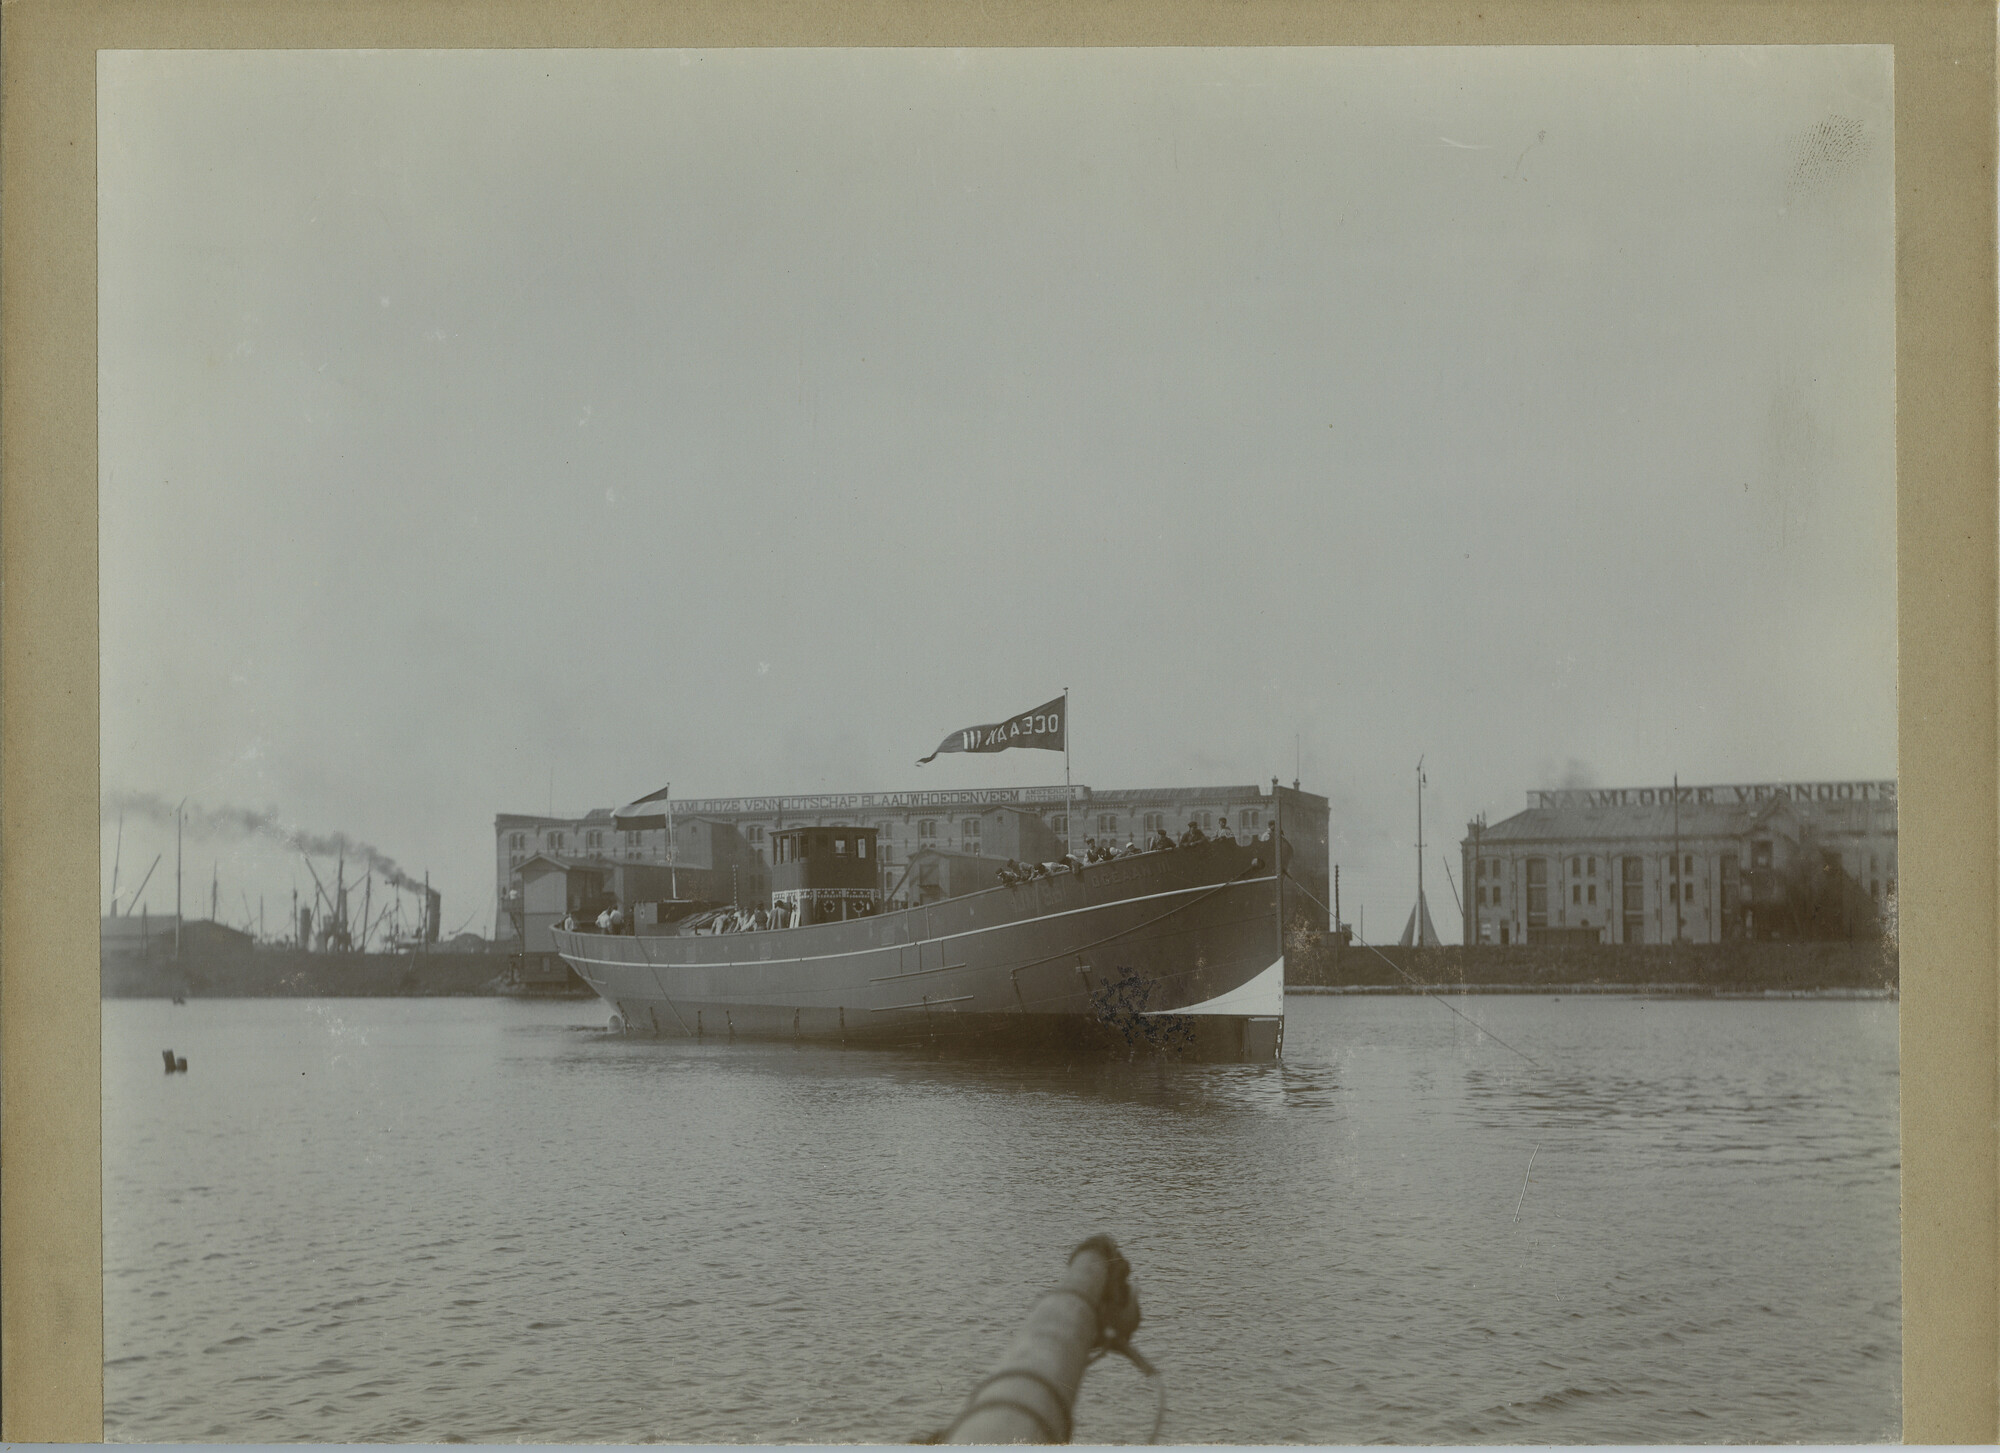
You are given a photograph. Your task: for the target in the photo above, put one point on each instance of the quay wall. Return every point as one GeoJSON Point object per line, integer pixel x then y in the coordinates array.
{"type": "Point", "coordinates": [282, 973]}
{"type": "Point", "coordinates": [1712, 967]}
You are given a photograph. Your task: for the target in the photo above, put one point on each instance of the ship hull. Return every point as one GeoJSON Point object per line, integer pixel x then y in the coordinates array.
{"type": "Point", "coordinates": [1161, 951]}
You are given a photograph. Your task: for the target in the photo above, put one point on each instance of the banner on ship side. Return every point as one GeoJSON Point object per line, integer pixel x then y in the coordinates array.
{"type": "Point", "coordinates": [648, 812]}
{"type": "Point", "coordinates": [1042, 727]}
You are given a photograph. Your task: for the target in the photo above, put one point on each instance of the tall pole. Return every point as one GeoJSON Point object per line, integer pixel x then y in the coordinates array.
{"type": "Point", "coordinates": [1069, 797]}
{"type": "Point", "coordinates": [673, 871]}
{"type": "Point", "coordinates": [1470, 909]}
{"type": "Point", "coordinates": [1417, 934]}
{"type": "Point", "coordinates": [177, 877]}
{"type": "Point", "coordinates": [117, 856]}
{"type": "Point", "coordinates": [1677, 857]}
{"type": "Point", "coordinates": [1278, 861]}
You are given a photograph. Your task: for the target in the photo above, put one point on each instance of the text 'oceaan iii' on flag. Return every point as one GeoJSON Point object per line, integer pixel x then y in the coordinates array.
{"type": "Point", "coordinates": [1042, 727]}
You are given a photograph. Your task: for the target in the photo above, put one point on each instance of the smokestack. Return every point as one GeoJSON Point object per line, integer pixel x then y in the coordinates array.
{"type": "Point", "coordinates": [433, 900]}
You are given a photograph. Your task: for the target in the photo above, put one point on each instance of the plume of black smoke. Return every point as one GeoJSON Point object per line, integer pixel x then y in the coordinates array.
{"type": "Point", "coordinates": [241, 822]}
{"type": "Point", "coordinates": [1578, 774]}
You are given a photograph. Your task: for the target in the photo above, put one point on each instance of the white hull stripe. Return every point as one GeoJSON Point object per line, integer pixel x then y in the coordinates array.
{"type": "Point", "coordinates": [1261, 998]}
{"type": "Point", "coordinates": [646, 963]}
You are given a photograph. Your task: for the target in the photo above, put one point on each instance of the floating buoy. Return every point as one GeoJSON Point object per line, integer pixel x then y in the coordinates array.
{"type": "Point", "coordinates": [174, 1066]}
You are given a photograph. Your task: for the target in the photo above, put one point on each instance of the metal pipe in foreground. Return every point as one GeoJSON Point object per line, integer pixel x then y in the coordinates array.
{"type": "Point", "coordinates": [1028, 1398]}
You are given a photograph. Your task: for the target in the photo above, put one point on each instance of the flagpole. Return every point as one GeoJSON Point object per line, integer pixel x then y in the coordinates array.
{"type": "Point", "coordinates": [1069, 795]}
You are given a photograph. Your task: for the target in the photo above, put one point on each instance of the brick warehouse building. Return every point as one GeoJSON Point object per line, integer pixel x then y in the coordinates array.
{"type": "Point", "coordinates": [996, 823]}
{"type": "Point", "coordinates": [1793, 861]}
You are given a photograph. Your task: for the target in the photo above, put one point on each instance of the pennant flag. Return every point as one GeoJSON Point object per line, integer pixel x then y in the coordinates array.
{"type": "Point", "coordinates": [1042, 727]}
{"type": "Point", "coordinates": [636, 816]}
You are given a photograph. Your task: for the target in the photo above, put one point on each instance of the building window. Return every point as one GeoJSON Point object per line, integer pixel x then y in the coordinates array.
{"type": "Point", "coordinates": [1760, 853]}
{"type": "Point", "coordinates": [1592, 872]}
{"type": "Point", "coordinates": [1575, 867]}
{"type": "Point", "coordinates": [513, 861]}
{"type": "Point", "coordinates": [1633, 888]}
{"type": "Point", "coordinates": [1538, 892]}
{"type": "Point", "coordinates": [969, 830]}
{"type": "Point", "coordinates": [756, 833]}
{"type": "Point", "coordinates": [927, 830]}
{"type": "Point", "coordinates": [1251, 819]}
{"type": "Point", "coordinates": [1204, 820]}
{"type": "Point", "coordinates": [1107, 822]}
{"type": "Point", "coordinates": [1687, 863]}
{"type": "Point", "coordinates": [558, 841]}
{"type": "Point", "coordinates": [1593, 894]}
{"type": "Point", "coordinates": [1151, 822]}
{"type": "Point", "coordinates": [861, 847]}
{"type": "Point", "coordinates": [1059, 822]}
{"type": "Point", "coordinates": [593, 839]}
{"type": "Point", "coordinates": [519, 840]}
{"type": "Point", "coordinates": [1576, 894]}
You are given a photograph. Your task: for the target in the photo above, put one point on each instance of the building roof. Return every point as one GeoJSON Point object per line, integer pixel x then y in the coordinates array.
{"type": "Point", "coordinates": [1697, 820]}
{"type": "Point", "coordinates": [959, 800]}
{"type": "Point", "coordinates": [556, 864]}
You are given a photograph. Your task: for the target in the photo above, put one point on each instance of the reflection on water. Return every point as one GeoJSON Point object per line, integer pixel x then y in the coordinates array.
{"type": "Point", "coordinates": [430, 1220]}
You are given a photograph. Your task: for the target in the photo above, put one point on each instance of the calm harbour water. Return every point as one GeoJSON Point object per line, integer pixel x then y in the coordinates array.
{"type": "Point", "coordinates": [432, 1220]}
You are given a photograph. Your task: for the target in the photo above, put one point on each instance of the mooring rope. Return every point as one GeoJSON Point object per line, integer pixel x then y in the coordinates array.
{"type": "Point", "coordinates": [1426, 988]}
{"type": "Point", "coordinates": [647, 955]}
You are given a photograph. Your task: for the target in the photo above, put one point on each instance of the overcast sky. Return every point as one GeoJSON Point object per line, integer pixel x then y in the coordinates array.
{"type": "Point", "coordinates": [476, 421]}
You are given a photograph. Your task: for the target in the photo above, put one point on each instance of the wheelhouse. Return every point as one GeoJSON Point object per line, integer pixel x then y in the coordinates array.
{"type": "Point", "coordinates": [826, 874]}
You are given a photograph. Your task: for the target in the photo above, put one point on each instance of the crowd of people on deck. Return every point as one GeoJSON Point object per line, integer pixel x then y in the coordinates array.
{"type": "Point", "coordinates": [717, 920]}
{"type": "Point", "coordinates": [780, 914]}
{"type": "Point", "coordinates": [1011, 872]}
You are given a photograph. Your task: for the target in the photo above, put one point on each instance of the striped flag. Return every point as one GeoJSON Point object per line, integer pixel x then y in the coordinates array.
{"type": "Point", "coordinates": [1042, 727]}
{"type": "Point", "coordinates": [636, 816]}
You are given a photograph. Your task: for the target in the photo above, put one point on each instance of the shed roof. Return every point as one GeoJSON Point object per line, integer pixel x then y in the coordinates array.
{"type": "Point", "coordinates": [549, 862]}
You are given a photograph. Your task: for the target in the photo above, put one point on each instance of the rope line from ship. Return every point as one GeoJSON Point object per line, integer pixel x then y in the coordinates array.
{"type": "Point", "coordinates": [654, 970]}
{"type": "Point", "coordinates": [1421, 986]}
{"type": "Point", "coordinates": [1427, 990]}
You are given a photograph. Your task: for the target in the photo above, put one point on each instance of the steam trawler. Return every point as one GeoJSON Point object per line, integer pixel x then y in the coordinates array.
{"type": "Point", "coordinates": [1176, 951]}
